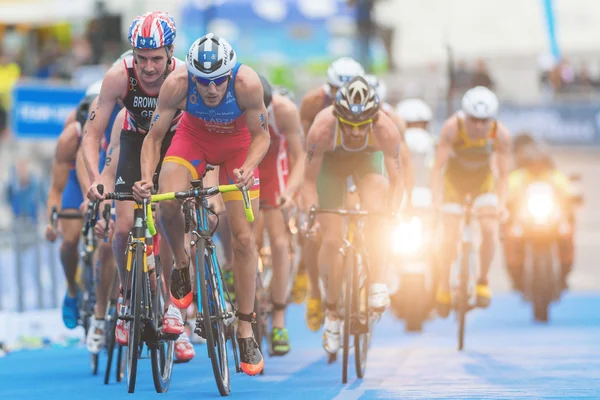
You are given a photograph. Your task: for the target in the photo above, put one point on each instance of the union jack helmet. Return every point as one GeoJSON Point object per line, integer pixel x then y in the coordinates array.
{"type": "Point", "coordinates": [152, 30]}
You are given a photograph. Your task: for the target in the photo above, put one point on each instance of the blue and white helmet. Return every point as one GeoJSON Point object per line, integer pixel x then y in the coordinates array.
{"type": "Point", "coordinates": [342, 70]}
{"type": "Point", "coordinates": [210, 57]}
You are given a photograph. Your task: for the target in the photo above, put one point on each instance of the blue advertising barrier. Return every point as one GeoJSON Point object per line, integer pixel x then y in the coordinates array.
{"type": "Point", "coordinates": [39, 109]}
{"type": "Point", "coordinates": [561, 124]}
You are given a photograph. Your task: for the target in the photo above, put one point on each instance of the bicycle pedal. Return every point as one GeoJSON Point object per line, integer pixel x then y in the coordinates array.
{"type": "Point", "coordinates": [168, 336]}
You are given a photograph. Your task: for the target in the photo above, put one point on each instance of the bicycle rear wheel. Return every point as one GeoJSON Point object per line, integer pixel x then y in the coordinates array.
{"type": "Point", "coordinates": [348, 271]}
{"type": "Point", "coordinates": [362, 317]}
{"type": "Point", "coordinates": [135, 324]}
{"type": "Point", "coordinates": [212, 313]}
{"type": "Point", "coordinates": [162, 354]}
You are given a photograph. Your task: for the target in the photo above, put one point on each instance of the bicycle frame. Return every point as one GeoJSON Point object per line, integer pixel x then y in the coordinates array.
{"type": "Point", "coordinates": [204, 233]}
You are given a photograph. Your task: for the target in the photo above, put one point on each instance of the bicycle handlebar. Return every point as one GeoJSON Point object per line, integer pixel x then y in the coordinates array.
{"type": "Point", "coordinates": [192, 193]}
{"type": "Point", "coordinates": [344, 213]}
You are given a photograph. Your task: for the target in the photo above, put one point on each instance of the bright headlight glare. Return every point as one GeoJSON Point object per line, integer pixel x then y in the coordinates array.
{"type": "Point", "coordinates": [407, 237]}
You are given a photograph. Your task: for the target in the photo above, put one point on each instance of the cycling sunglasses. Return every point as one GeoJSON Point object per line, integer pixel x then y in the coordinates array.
{"type": "Point", "coordinates": [207, 81]}
{"type": "Point", "coordinates": [355, 124]}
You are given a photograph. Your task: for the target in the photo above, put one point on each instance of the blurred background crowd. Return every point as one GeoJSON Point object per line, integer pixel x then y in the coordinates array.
{"type": "Point", "coordinates": [539, 57]}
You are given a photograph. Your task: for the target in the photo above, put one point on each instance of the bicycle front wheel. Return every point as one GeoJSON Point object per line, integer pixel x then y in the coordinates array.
{"type": "Point", "coordinates": [135, 324]}
{"type": "Point", "coordinates": [463, 294]}
{"type": "Point", "coordinates": [212, 313]}
{"type": "Point", "coordinates": [361, 316]}
{"type": "Point", "coordinates": [162, 354]}
{"type": "Point", "coordinates": [349, 271]}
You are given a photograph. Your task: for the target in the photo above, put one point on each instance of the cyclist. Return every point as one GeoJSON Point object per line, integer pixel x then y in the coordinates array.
{"type": "Point", "coordinates": [65, 194]}
{"type": "Point", "coordinates": [388, 109]}
{"type": "Point", "coordinates": [467, 143]}
{"type": "Point", "coordinates": [225, 123]}
{"type": "Point", "coordinates": [352, 138]}
{"type": "Point", "coordinates": [421, 143]}
{"type": "Point", "coordinates": [533, 162]}
{"type": "Point", "coordinates": [277, 193]}
{"type": "Point", "coordinates": [339, 72]}
{"type": "Point", "coordinates": [136, 83]}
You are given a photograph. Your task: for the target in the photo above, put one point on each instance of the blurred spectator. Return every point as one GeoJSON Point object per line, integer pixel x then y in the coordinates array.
{"type": "Point", "coordinates": [583, 78]}
{"type": "Point", "coordinates": [482, 76]}
{"type": "Point", "coordinates": [24, 193]}
{"type": "Point", "coordinates": [48, 61]}
{"type": "Point", "coordinates": [462, 76]}
{"type": "Point", "coordinates": [368, 29]}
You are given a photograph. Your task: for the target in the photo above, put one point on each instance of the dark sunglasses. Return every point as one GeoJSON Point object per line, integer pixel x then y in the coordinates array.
{"type": "Point", "coordinates": [208, 81]}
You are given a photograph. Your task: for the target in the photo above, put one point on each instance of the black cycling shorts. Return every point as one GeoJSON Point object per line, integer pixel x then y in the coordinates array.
{"type": "Point", "coordinates": [129, 169]}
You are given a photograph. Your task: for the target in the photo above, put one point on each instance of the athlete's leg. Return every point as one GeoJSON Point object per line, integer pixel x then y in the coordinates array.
{"type": "Point", "coordinates": [373, 189]}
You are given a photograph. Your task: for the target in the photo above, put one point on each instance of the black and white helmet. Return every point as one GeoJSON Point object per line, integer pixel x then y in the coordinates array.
{"type": "Point", "coordinates": [342, 70]}
{"type": "Point", "coordinates": [210, 56]}
{"type": "Point", "coordinates": [356, 101]}
{"type": "Point", "coordinates": [480, 102]}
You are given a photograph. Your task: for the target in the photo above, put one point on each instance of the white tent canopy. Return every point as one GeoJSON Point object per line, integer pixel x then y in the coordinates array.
{"type": "Point", "coordinates": [44, 11]}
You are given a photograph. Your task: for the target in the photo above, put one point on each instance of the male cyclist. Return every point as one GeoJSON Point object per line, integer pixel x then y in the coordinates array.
{"type": "Point", "coordinates": [388, 109]}
{"type": "Point", "coordinates": [136, 83]}
{"type": "Point", "coordinates": [277, 193]}
{"type": "Point", "coordinates": [421, 143]}
{"type": "Point", "coordinates": [352, 138]}
{"type": "Point", "coordinates": [225, 123]}
{"type": "Point", "coordinates": [339, 72]}
{"type": "Point", "coordinates": [65, 194]}
{"type": "Point", "coordinates": [534, 163]}
{"type": "Point", "coordinates": [467, 143]}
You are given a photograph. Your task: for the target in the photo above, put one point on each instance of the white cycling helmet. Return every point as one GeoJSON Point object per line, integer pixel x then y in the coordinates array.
{"type": "Point", "coordinates": [94, 89]}
{"type": "Point", "coordinates": [342, 70]}
{"type": "Point", "coordinates": [379, 86]}
{"type": "Point", "coordinates": [210, 56]}
{"type": "Point", "coordinates": [480, 102]}
{"type": "Point", "coordinates": [414, 110]}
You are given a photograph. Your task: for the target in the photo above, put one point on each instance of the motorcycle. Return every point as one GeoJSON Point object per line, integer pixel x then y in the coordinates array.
{"type": "Point", "coordinates": [539, 222]}
{"type": "Point", "coordinates": [413, 279]}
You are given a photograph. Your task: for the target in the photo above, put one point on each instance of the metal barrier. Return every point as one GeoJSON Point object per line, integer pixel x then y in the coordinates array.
{"type": "Point", "coordinates": [31, 276]}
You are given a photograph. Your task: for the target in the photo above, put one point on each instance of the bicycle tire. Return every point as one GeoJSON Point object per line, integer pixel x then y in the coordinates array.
{"type": "Point", "coordinates": [111, 317]}
{"type": "Point", "coordinates": [161, 355]}
{"type": "Point", "coordinates": [135, 325]}
{"type": "Point", "coordinates": [349, 271]}
{"type": "Point", "coordinates": [111, 322]}
{"type": "Point", "coordinates": [212, 340]}
{"type": "Point", "coordinates": [362, 316]}
{"type": "Point", "coordinates": [463, 295]}
{"type": "Point", "coordinates": [120, 365]}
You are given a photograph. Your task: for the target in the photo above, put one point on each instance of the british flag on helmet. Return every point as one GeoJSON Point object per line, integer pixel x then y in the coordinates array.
{"type": "Point", "coordinates": [152, 30]}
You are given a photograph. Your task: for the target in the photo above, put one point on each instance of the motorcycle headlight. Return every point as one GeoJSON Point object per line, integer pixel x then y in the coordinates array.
{"type": "Point", "coordinates": [540, 206]}
{"type": "Point", "coordinates": [407, 237]}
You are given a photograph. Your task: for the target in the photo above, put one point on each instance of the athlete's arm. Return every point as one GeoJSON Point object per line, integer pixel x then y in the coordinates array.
{"type": "Point", "coordinates": [66, 149]}
{"type": "Point", "coordinates": [114, 86]}
{"type": "Point", "coordinates": [311, 104]}
{"type": "Point", "coordinates": [503, 153]}
{"type": "Point", "coordinates": [407, 169]}
{"type": "Point", "coordinates": [389, 141]}
{"type": "Point", "coordinates": [249, 93]}
{"type": "Point", "coordinates": [112, 153]}
{"type": "Point", "coordinates": [172, 92]}
{"type": "Point", "coordinates": [288, 121]}
{"type": "Point", "coordinates": [442, 155]}
{"type": "Point", "coordinates": [316, 147]}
